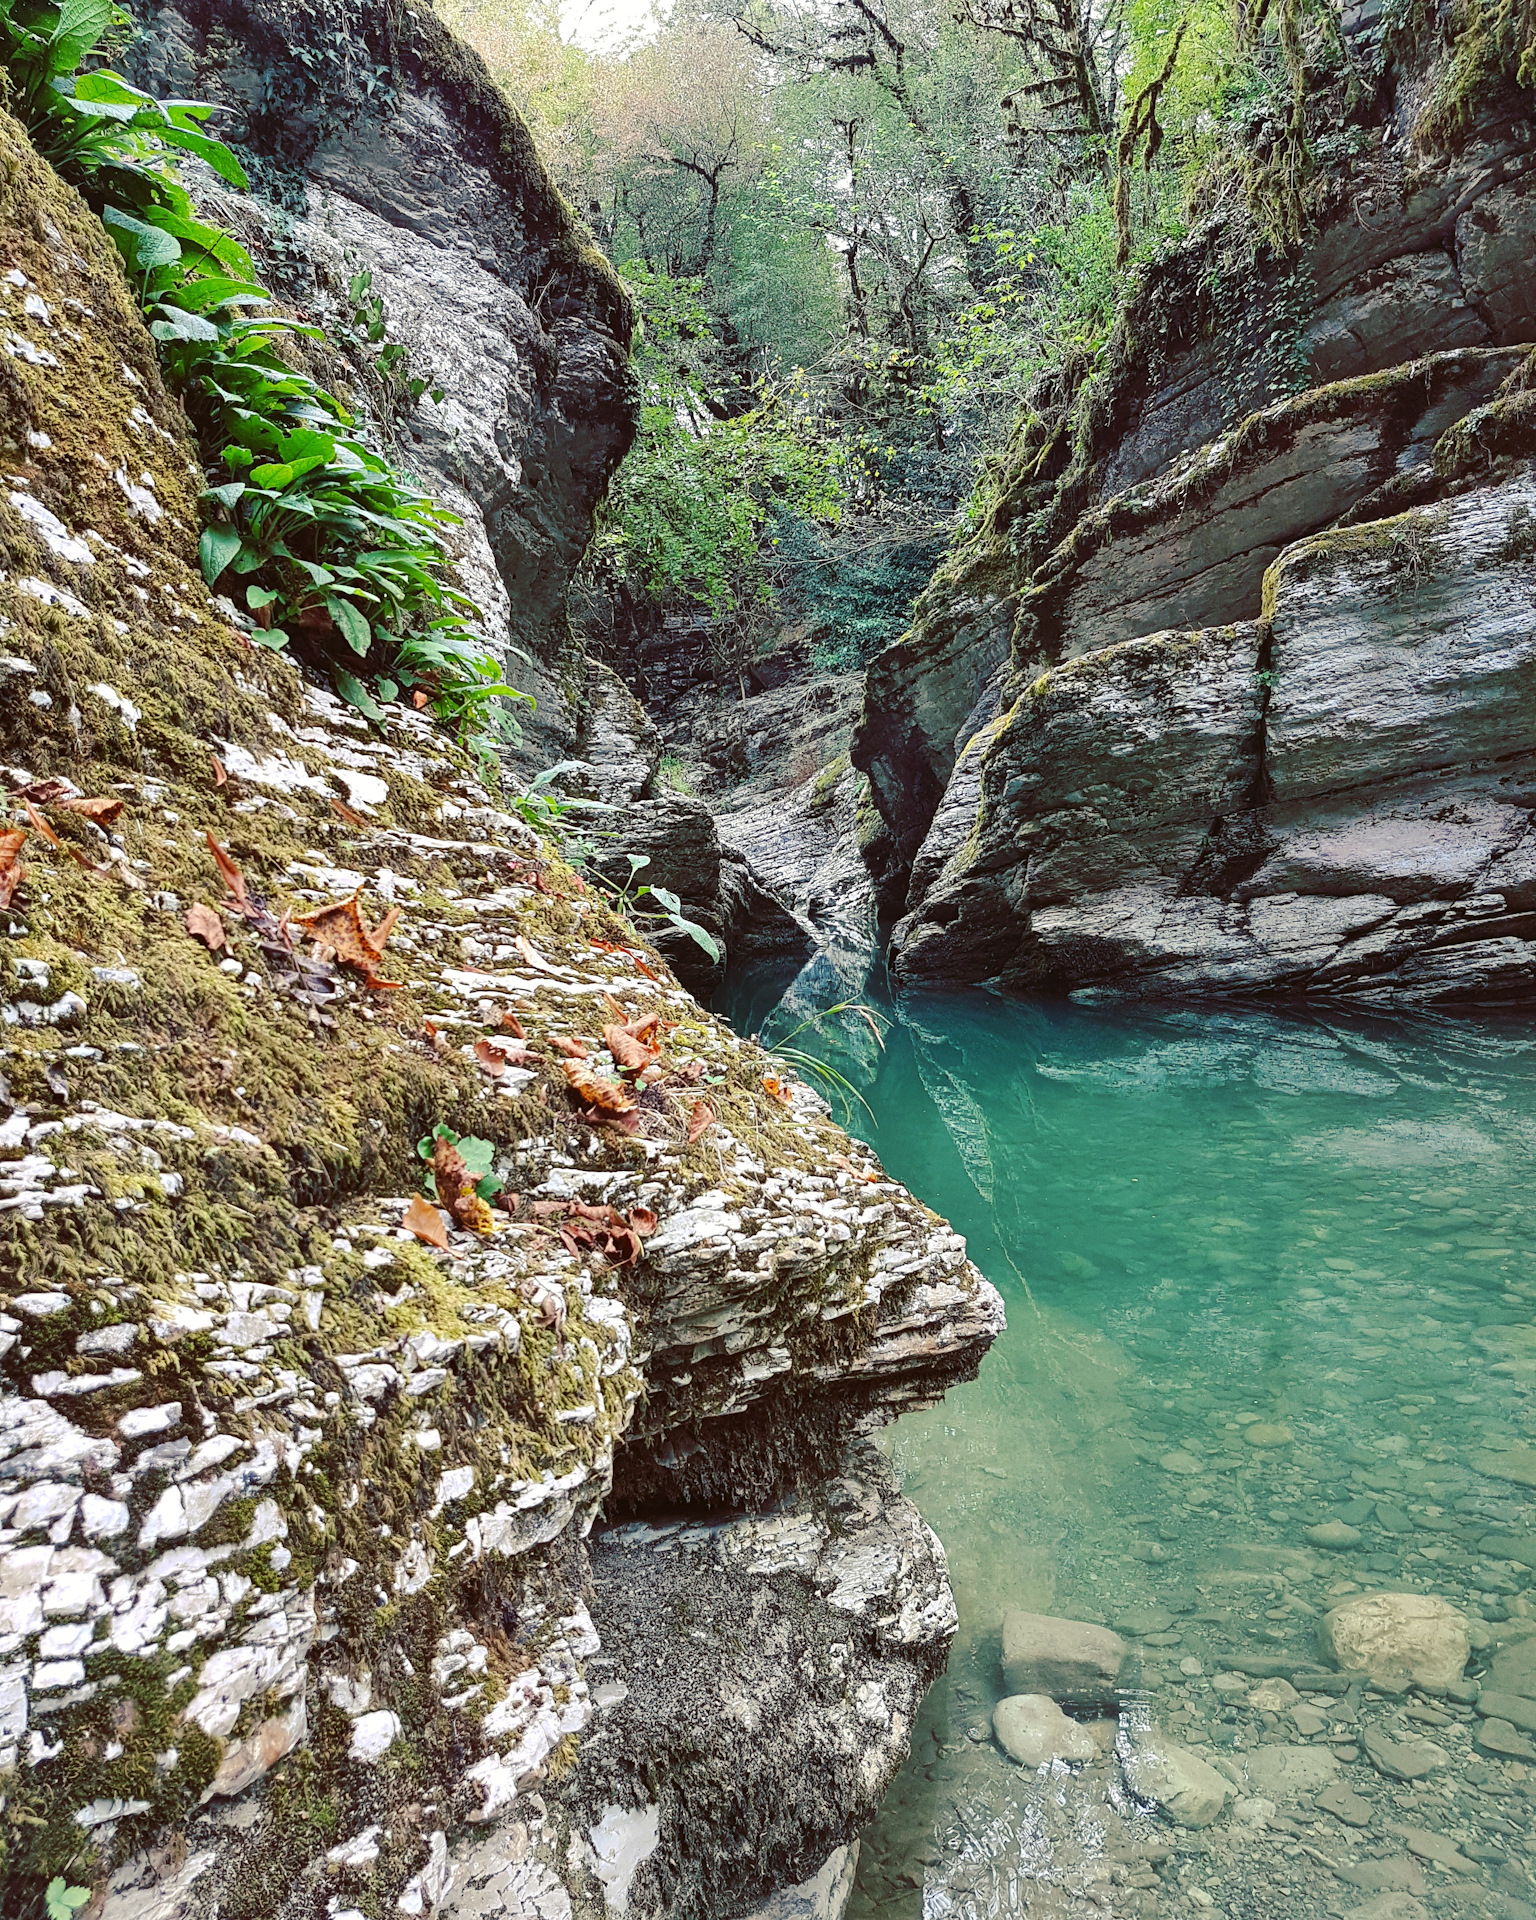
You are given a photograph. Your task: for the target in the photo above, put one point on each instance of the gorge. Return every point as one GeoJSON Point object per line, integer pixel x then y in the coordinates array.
{"type": "Point", "coordinates": [506, 1437]}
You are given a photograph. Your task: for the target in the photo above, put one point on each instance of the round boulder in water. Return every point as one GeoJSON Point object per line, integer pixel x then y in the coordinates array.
{"type": "Point", "coordinates": [1174, 1780]}
{"type": "Point", "coordinates": [1392, 1635]}
{"type": "Point", "coordinates": [1338, 1536]}
{"type": "Point", "coordinates": [1034, 1731]}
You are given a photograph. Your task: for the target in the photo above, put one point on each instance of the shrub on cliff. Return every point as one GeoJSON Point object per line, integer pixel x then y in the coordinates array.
{"type": "Point", "coordinates": [340, 553]}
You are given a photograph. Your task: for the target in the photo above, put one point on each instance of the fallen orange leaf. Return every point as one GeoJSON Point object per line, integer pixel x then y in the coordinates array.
{"type": "Point", "coordinates": [205, 925]}
{"type": "Point", "coordinates": [531, 954]}
{"type": "Point", "coordinates": [424, 1220]}
{"type": "Point", "coordinates": [352, 819]}
{"type": "Point", "coordinates": [567, 1044]}
{"type": "Point", "coordinates": [103, 811]}
{"type": "Point", "coordinates": [700, 1120]}
{"type": "Point", "coordinates": [233, 878]}
{"type": "Point", "coordinates": [40, 825]}
{"type": "Point", "coordinates": [496, 1056]}
{"type": "Point", "coordinates": [12, 872]}
{"type": "Point", "coordinates": [220, 776]}
{"type": "Point", "coordinates": [456, 1188]}
{"type": "Point", "coordinates": [608, 1096]}
{"type": "Point", "coordinates": [630, 1054]}
{"type": "Point", "coordinates": [772, 1084]}
{"type": "Point", "coordinates": [341, 929]}
{"type": "Point", "coordinates": [513, 1025]}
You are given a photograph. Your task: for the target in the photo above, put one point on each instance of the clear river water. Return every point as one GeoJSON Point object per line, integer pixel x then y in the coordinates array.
{"type": "Point", "coordinates": [1261, 1274]}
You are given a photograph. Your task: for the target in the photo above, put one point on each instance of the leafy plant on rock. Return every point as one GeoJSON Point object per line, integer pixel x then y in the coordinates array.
{"type": "Point", "coordinates": [338, 553]}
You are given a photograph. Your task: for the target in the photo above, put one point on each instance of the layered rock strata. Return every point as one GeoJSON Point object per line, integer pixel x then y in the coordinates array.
{"type": "Point", "coordinates": [1149, 523]}
{"type": "Point", "coordinates": [297, 1615]}
{"type": "Point", "coordinates": [377, 144]}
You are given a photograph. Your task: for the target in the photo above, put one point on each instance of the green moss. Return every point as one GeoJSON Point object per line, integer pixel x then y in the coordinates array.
{"type": "Point", "coordinates": [824, 785]}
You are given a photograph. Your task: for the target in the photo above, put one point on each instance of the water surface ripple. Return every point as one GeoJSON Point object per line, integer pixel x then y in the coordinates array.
{"type": "Point", "coordinates": [1211, 1230]}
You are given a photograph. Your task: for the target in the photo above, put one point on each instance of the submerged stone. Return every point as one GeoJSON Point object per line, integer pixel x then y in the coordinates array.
{"type": "Point", "coordinates": [1397, 1636]}
{"type": "Point", "coordinates": [1033, 1730]}
{"type": "Point", "coordinates": [1066, 1660]}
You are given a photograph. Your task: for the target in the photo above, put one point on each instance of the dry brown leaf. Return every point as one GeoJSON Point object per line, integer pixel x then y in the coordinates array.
{"type": "Point", "coordinates": [531, 954]}
{"type": "Point", "coordinates": [424, 1220]}
{"type": "Point", "coordinates": [220, 773]}
{"type": "Point", "coordinates": [233, 878]}
{"type": "Point", "coordinates": [205, 925]}
{"type": "Point", "coordinates": [495, 1056]}
{"type": "Point", "coordinates": [40, 825]}
{"type": "Point", "coordinates": [644, 968]}
{"type": "Point", "coordinates": [773, 1085]}
{"type": "Point", "coordinates": [91, 866]}
{"type": "Point", "coordinates": [630, 1055]}
{"type": "Point", "coordinates": [341, 930]}
{"type": "Point", "coordinates": [12, 872]}
{"type": "Point", "coordinates": [700, 1120]}
{"type": "Point", "coordinates": [456, 1188]}
{"type": "Point", "coordinates": [608, 1096]}
{"type": "Point", "coordinates": [569, 1045]}
{"type": "Point", "coordinates": [449, 1174]}
{"type": "Point", "coordinates": [102, 811]}
{"type": "Point", "coordinates": [352, 819]}
{"type": "Point", "coordinates": [849, 1166]}
{"type": "Point", "coordinates": [42, 791]}
{"type": "Point", "coordinates": [642, 1220]}
{"type": "Point", "coordinates": [513, 1025]}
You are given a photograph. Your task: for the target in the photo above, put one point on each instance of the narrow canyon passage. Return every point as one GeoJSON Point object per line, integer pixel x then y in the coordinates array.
{"type": "Point", "coordinates": [1268, 1347]}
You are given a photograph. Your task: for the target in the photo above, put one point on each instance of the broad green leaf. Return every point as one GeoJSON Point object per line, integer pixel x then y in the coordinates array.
{"type": "Point", "coordinates": [214, 152]}
{"type": "Point", "coordinates": [227, 494]}
{"type": "Point", "coordinates": [145, 246]}
{"type": "Point", "coordinates": [477, 1154]}
{"type": "Point", "coordinates": [105, 85]}
{"type": "Point", "coordinates": [216, 549]}
{"type": "Point", "coordinates": [80, 25]}
{"type": "Point", "coordinates": [217, 290]}
{"type": "Point", "coordinates": [258, 597]}
{"type": "Point", "coordinates": [357, 695]}
{"type": "Point", "coordinates": [354, 627]}
{"type": "Point", "coordinates": [175, 324]}
{"type": "Point", "coordinates": [304, 441]}
{"type": "Point", "coordinates": [273, 637]}
{"type": "Point", "coordinates": [697, 934]}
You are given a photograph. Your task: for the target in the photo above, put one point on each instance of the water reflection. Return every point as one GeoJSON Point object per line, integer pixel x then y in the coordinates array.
{"type": "Point", "coordinates": [1262, 1274]}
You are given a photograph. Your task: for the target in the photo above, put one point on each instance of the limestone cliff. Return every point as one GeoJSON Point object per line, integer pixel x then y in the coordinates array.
{"type": "Point", "coordinates": [298, 1613]}
{"type": "Point", "coordinates": [376, 143]}
{"type": "Point", "coordinates": [1311, 473]}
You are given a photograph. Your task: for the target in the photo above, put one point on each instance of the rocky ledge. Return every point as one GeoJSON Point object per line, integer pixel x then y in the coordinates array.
{"type": "Point", "coordinates": [1228, 690]}
{"type": "Point", "coordinates": [298, 1613]}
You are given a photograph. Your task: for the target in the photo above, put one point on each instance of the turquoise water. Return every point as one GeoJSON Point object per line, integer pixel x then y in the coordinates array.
{"type": "Point", "coordinates": [1206, 1224]}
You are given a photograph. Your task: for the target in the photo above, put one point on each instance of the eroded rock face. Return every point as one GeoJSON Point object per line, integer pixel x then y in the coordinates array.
{"type": "Point", "coordinates": [295, 1600]}
{"type": "Point", "coordinates": [378, 144]}
{"type": "Point", "coordinates": [1335, 800]}
{"type": "Point", "coordinates": [1222, 430]}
